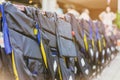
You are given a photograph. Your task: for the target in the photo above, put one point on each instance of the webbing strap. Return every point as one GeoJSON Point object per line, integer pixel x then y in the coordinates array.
{"type": "Point", "coordinates": [90, 30]}
{"type": "Point", "coordinates": [84, 37]}
{"type": "Point", "coordinates": [43, 54]}
{"type": "Point", "coordinates": [59, 68]}
{"type": "Point", "coordinates": [103, 39]}
{"type": "Point", "coordinates": [93, 43]}
{"type": "Point", "coordinates": [82, 29]}
{"type": "Point", "coordinates": [38, 33]}
{"type": "Point", "coordinates": [0, 14]}
{"type": "Point", "coordinates": [98, 38]}
{"type": "Point", "coordinates": [97, 32]}
{"type": "Point", "coordinates": [104, 43]}
{"type": "Point", "coordinates": [64, 60]}
{"type": "Point", "coordinates": [99, 45]}
{"type": "Point", "coordinates": [60, 74]}
{"type": "Point", "coordinates": [85, 42]}
{"type": "Point", "coordinates": [91, 33]}
{"type": "Point", "coordinates": [14, 67]}
{"type": "Point", "coordinates": [8, 48]}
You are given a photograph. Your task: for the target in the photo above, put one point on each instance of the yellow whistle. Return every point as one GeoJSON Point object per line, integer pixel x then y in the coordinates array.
{"type": "Point", "coordinates": [35, 31]}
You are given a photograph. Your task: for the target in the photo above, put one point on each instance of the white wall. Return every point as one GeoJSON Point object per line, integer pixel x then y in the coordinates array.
{"type": "Point", "coordinates": [119, 6]}
{"type": "Point", "coordinates": [49, 5]}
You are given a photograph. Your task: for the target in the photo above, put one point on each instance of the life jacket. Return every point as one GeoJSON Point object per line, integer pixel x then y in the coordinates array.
{"type": "Point", "coordinates": [5, 56]}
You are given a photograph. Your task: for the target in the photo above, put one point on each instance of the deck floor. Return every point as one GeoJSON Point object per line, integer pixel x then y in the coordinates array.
{"type": "Point", "coordinates": [111, 71]}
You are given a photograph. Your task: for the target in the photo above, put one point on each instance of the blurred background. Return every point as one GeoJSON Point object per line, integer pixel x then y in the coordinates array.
{"type": "Point", "coordinates": [108, 11]}
{"type": "Point", "coordinates": [95, 6]}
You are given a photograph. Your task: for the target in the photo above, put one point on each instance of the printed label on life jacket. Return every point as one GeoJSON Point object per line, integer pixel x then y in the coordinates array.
{"type": "Point", "coordinates": [97, 54]}
{"type": "Point", "coordinates": [103, 52]}
{"type": "Point", "coordinates": [75, 70]}
{"type": "Point", "coordinates": [70, 78]}
{"type": "Point", "coordinates": [1, 40]}
{"type": "Point", "coordinates": [103, 61]}
{"type": "Point", "coordinates": [55, 66]}
{"type": "Point", "coordinates": [87, 71]}
{"type": "Point", "coordinates": [112, 48]}
{"type": "Point", "coordinates": [82, 62]}
{"type": "Point", "coordinates": [108, 50]}
{"type": "Point", "coordinates": [91, 52]}
{"type": "Point", "coordinates": [94, 67]}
